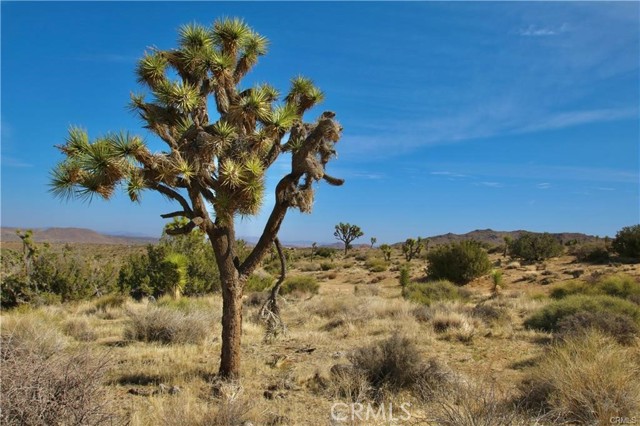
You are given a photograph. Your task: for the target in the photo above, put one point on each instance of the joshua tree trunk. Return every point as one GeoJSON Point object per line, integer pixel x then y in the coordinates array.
{"type": "Point", "coordinates": [223, 242]}
{"type": "Point", "coordinates": [231, 329]}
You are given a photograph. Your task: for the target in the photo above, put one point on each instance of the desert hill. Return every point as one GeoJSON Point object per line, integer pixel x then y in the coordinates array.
{"type": "Point", "coordinates": [72, 235]}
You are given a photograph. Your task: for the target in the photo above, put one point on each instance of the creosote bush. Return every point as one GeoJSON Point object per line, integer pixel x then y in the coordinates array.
{"type": "Point", "coordinates": [432, 291]}
{"type": "Point", "coordinates": [300, 284]}
{"type": "Point", "coordinates": [627, 242]}
{"type": "Point", "coordinates": [458, 262]}
{"type": "Point", "coordinates": [258, 282]}
{"type": "Point", "coordinates": [620, 327]}
{"type": "Point", "coordinates": [395, 363]}
{"type": "Point", "coordinates": [548, 318]}
{"type": "Point", "coordinates": [587, 379]}
{"type": "Point", "coordinates": [168, 326]}
{"type": "Point", "coordinates": [376, 264]}
{"type": "Point", "coordinates": [619, 285]}
{"type": "Point", "coordinates": [594, 252]}
{"type": "Point", "coordinates": [58, 388]}
{"type": "Point", "coordinates": [530, 246]}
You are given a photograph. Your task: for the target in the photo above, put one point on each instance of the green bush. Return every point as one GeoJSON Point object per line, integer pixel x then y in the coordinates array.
{"type": "Point", "coordinates": [376, 265]}
{"type": "Point", "coordinates": [325, 252]}
{"type": "Point", "coordinates": [620, 327]}
{"type": "Point", "coordinates": [530, 246]}
{"type": "Point", "coordinates": [618, 285]}
{"type": "Point", "coordinates": [405, 277]}
{"type": "Point", "coordinates": [327, 266]}
{"type": "Point", "coordinates": [595, 252]}
{"type": "Point", "coordinates": [300, 284]}
{"type": "Point", "coordinates": [114, 301]}
{"type": "Point", "coordinates": [548, 318]}
{"type": "Point", "coordinates": [458, 262]}
{"type": "Point", "coordinates": [432, 291]}
{"type": "Point", "coordinates": [257, 282]}
{"type": "Point", "coordinates": [627, 242]}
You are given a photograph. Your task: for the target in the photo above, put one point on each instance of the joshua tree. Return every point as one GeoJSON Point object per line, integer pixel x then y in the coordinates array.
{"type": "Point", "coordinates": [215, 163]}
{"type": "Point", "coordinates": [346, 233]}
{"type": "Point", "coordinates": [314, 247]}
{"type": "Point", "coordinates": [386, 251]}
{"type": "Point", "coordinates": [411, 248]}
{"type": "Point", "coordinates": [373, 241]}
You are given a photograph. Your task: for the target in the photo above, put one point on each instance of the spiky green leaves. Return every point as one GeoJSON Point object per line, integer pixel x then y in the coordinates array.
{"type": "Point", "coordinates": [194, 36]}
{"type": "Point", "coordinates": [151, 69]}
{"type": "Point", "coordinates": [303, 94]}
{"type": "Point", "coordinates": [230, 33]}
{"type": "Point", "coordinates": [94, 168]}
{"type": "Point", "coordinates": [180, 95]}
{"type": "Point", "coordinates": [244, 185]}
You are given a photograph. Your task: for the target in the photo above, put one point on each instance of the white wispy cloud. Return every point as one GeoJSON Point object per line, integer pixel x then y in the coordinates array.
{"type": "Point", "coordinates": [543, 185]}
{"type": "Point", "coordinates": [490, 184]}
{"type": "Point", "coordinates": [14, 162]}
{"type": "Point", "coordinates": [575, 118]}
{"type": "Point", "coordinates": [450, 174]}
{"type": "Point", "coordinates": [536, 31]}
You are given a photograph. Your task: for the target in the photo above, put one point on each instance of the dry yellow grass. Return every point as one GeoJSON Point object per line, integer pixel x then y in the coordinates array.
{"type": "Point", "coordinates": [289, 381]}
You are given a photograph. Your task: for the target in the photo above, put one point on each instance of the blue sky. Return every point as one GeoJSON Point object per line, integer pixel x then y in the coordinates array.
{"type": "Point", "coordinates": [457, 116]}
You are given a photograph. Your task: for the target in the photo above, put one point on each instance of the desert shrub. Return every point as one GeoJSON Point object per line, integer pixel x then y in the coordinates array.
{"type": "Point", "coordinates": [394, 363]}
{"type": "Point", "coordinates": [594, 252]}
{"type": "Point", "coordinates": [366, 290]}
{"type": "Point", "coordinates": [347, 383]}
{"type": "Point", "coordinates": [113, 301]}
{"type": "Point", "coordinates": [327, 266]}
{"type": "Point", "coordinates": [360, 256]}
{"type": "Point", "coordinates": [432, 291]}
{"type": "Point", "coordinates": [258, 282]}
{"type": "Point", "coordinates": [548, 317]}
{"type": "Point", "coordinates": [627, 242]}
{"type": "Point", "coordinates": [52, 389]}
{"type": "Point", "coordinates": [80, 329]}
{"type": "Point", "coordinates": [167, 326]}
{"type": "Point", "coordinates": [475, 403]}
{"type": "Point", "coordinates": [232, 407]}
{"type": "Point", "coordinates": [376, 265]}
{"type": "Point", "coordinates": [560, 291]}
{"type": "Point", "coordinates": [618, 285]}
{"type": "Point", "coordinates": [405, 277]}
{"type": "Point", "coordinates": [530, 246]}
{"type": "Point", "coordinates": [300, 284]}
{"type": "Point", "coordinates": [34, 334]}
{"type": "Point", "coordinates": [588, 379]}
{"type": "Point", "coordinates": [490, 313]}
{"type": "Point", "coordinates": [620, 327]}
{"type": "Point", "coordinates": [198, 305]}
{"type": "Point", "coordinates": [458, 262]}
{"type": "Point", "coordinates": [325, 252]}
{"type": "Point", "coordinates": [308, 266]}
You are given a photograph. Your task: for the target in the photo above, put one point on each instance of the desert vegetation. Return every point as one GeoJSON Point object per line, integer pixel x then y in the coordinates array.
{"type": "Point", "coordinates": [502, 347]}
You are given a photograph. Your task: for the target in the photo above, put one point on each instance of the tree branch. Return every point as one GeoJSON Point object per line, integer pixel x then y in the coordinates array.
{"type": "Point", "coordinates": [271, 228]}
{"type": "Point", "coordinates": [180, 213]}
{"type": "Point", "coordinates": [181, 230]}
{"type": "Point", "coordinates": [168, 192]}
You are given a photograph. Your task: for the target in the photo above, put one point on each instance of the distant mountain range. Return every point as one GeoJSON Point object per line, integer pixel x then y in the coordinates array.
{"type": "Point", "coordinates": [491, 237]}
{"type": "Point", "coordinates": [73, 235]}
{"type": "Point", "coordinates": [88, 236]}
